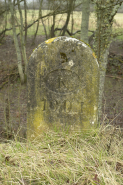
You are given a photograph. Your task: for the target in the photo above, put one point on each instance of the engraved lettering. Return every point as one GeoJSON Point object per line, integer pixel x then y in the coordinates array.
{"type": "Point", "coordinates": [68, 106]}
{"type": "Point", "coordinates": [43, 103]}
{"type": "Point", "coordinates": [82, 106]}
{"type": "Point", "coordinates": [53, 105]}
{"type": "Point", "coordinates": [62, 81]}
{"type": "Point", "coordinates": [62, 106]}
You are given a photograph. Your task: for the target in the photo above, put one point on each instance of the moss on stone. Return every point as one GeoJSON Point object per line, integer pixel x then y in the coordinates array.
{"type": "Point", "coordinates": [62, 94]}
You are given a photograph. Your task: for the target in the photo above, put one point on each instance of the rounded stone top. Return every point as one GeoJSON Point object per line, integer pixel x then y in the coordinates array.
{"type": "Point", "coordinates": [72, 41]}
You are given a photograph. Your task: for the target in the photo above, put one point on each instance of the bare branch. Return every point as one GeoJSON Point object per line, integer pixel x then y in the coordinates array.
{"type": "Point", "coordinates": [8, 8]}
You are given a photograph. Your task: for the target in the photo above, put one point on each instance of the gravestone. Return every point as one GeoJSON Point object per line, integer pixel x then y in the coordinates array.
{"type": "Point", "coordinates": [62, 83]}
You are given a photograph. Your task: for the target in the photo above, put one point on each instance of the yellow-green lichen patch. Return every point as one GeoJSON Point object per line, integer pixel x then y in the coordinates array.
{"type": "Point", "coordinates": [94, 55]}
{"type": "Point", "coordinates": [50, 40]}
{"type": "Point", "coordinates": [37, 124]}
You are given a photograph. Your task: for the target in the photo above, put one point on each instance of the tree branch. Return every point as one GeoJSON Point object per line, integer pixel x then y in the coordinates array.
{"type": "Point", "coordinates": [8, 8]}
{"type": "Point", "coordinates": [41, 17]}
{"type": "Point", "coordinates": [114, 12]}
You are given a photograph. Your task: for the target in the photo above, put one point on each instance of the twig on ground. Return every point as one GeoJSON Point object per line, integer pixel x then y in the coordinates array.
{"type": "Point", "coordinates": [114, 77]}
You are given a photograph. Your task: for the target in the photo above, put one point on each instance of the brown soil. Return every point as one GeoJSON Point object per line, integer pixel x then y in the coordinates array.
{"type": "Point", "coordinates": [13, 97]}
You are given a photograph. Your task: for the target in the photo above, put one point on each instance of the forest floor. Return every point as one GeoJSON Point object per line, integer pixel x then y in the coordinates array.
{"type": "Point", "coordinates": [13, 96]}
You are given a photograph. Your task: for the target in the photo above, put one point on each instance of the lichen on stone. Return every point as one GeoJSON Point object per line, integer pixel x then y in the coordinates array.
{"type": "Point", "coordinates": [50, 40]}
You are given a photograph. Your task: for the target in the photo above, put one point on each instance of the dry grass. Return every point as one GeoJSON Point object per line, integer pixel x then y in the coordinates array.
{"type": "Point", "coordinates": [93, 158]}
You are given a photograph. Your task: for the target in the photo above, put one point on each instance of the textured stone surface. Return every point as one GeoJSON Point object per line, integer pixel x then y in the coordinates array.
{"type": "Point", "coordinates": [62, 81]}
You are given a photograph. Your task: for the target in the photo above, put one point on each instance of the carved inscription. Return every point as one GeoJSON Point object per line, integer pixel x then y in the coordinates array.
{"type": "Point", "coordinates": [62, 106]}
{"type": "Point", "coordinates": [62, 81]}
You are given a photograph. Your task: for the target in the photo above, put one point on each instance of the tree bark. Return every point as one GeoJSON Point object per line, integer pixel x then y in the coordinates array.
{"type": "Point", "coordinates": [25, 12]}
{"type": "Point", "coordinates": [85, 20]}
{"type": "Point", "coordinates": [52, 34]}
{"type": "Point", "coordinates": [39, 15]}
{"type": "Point", "coordinates": [70, 9]}
{"type": "Point", "coordinates": [22, 37]}
{"type": "Point", "coordinates": [105, 12]}
{"type": "Point", "coordinates": [44, 28]}
{"type": "Point", "coordinates": [103, 66]}
{"type": "Point", "coordinates": [20, 68]}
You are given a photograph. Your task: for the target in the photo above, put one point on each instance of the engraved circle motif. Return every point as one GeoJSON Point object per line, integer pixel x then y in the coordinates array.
{"type": "Point", "coordinates": [62, 81]}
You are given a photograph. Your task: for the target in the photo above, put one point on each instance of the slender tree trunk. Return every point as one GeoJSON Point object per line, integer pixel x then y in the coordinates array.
{"type": "Point", "coordinates": [20, 68]}
{"type": "Point", "coordinates": [5, 17]}
{"type": "Point", "coordinates": [39, 15]}
{"type": "Point", "coordinates": [105, 14]}
{"type": "Point", "coordinates": [44, 28]}
{"type": "Point", "coordinates": [25, 12]}
{"type": "Point", "coordinates": [85, 20]}
{"type": "Point", "coordinates": [6, 14]}
{"type": "Point", "coordinates": [70, 9]}
{"type": "Point", "coordinates": [103, 66]}
{"type": "Point", "coordinates": [22, 37]}
{"type": "Point", "coordinates": [53, 27]}
{"type": "Point", "coordinates": [72, 23]}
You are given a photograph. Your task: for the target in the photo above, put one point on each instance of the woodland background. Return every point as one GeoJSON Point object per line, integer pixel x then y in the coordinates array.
{"type": "Point", "coordinates": [57, 157]}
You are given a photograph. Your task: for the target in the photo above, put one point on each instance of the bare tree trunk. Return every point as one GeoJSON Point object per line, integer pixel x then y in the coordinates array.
{"type": "Point", "coordinates": [70, 9]}
{"type": "Point", "coordinates": [53, 5]}
{"type": "Point", "coordinates": [72, 23]}
{"type": "Point", "coordinates": [44, 28]}
{"type": "Point", "coordinates": [22, 37]}
{"type": "Point", "coordinates": [39, 15]}
{"type": "Point", "coordinates": [25, 12]}
{"type": "Point", "coordinates": [105, 14]}
{"type": "Point", "coordinates": [52, 32]}
{"type": "Point", "coordinates": [5, 17]}
{"type": "Point", "coordinates": [103, 66]}
{"type": "Point", "coordinates": [20, 68]}
{"type": "Point", "coordinates": [3, 20]}
{"type": "Point", "coordinates": [85, 20]}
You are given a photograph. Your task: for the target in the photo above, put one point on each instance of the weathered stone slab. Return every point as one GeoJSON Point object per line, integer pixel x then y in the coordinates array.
{"type": "Point", "coordinates": [62, 81]}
